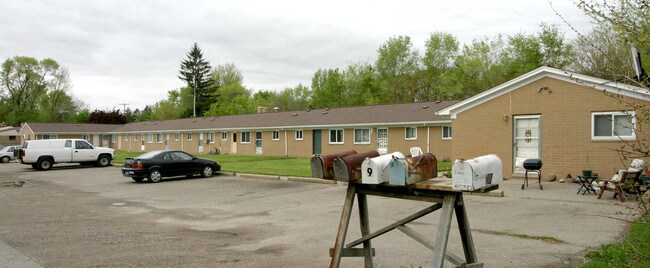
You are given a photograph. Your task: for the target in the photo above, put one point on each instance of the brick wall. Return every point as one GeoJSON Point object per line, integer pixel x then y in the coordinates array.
{"type": "Point", "coordinates": [565, 110]}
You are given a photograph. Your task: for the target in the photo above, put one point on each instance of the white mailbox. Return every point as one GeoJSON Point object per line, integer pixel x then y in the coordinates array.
{"type": "Point", "coordinates": [374, 170]}
{"type": "Point", "coordinates": [472, 174]}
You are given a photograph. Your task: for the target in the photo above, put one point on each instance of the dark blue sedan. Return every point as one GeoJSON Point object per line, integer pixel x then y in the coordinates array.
{"type": "Point", "coordinates": [167, 163]}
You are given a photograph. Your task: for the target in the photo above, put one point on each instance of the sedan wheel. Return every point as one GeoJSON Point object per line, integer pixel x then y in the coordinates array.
{"type": "Point", "coordinates": [5, 159]}
{"type": "Point", "coordinates": [154, 176]}
{"type": "Point", "coordinates": [206, 172]}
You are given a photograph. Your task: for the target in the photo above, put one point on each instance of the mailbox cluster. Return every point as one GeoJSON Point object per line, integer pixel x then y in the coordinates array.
{"type": "Point", "coordinates": [371, 168]}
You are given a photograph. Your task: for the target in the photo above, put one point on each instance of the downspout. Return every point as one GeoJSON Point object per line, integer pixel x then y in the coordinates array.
{"type": "Point", "coordinates": [428, 138]}
{"type": "Point", "coordinates": [182, 142]}
{"type": "Point", "coordinates": [286, 145]}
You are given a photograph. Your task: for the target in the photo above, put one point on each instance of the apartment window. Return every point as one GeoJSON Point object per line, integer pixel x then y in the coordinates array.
{"type": "Point", "coordinates": [49, 136]}
{"type": "Point", "coordinates": [336, 136]}
{"type": "Point", "coordinates": [224, 135]}
{"type": "Point", "coordinates": [149, 138]}
{"type": "Point", "coordinates": [189, 136]}
{"type": "Point", "coordinates": [613, 126]}
{"type": "Point", "coordinates": [159, 137]}
{"type": "Point", "coordinates": [246, 137]}
{"type": "Point", "coordinates": [135, 137]}
{"type": "Point", "coordinates": [85, 137]}
{"type": "Point", "coordinates": [276, 135]}
{"type": "Point", "coordinates": [176, 136]}
{"type": "Point", "coordinates": [362, 136]}
{"type": "Point", "coordinates": [446, 133]}
{"type": "Point", "coordinates": [12, 138]}
{"type": "Point", "coordinates": [411, 133]}
{"type": "Point", "coordinates": [126, 137]}
{"type": "Point", "coordinates": [211, 139]}
{"type": "Point", "coordinates": [299, 135]}
{"type": "Point", "coordinates": [114, 138]}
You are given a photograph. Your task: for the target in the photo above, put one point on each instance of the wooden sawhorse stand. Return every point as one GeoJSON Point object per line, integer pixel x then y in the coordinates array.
{"type": "Point", "coordinates": [440, 194]}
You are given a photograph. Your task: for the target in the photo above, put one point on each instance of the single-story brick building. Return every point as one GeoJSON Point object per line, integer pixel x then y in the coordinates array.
{"type": "Point", "coordinates": [570, 121]}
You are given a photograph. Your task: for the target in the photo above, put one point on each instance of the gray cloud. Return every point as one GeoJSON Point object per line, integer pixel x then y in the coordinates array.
{"type": "Point", "coordinates": [130, 51]}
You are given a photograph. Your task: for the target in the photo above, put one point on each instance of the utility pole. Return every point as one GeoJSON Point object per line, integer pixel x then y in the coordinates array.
{"type": "Point", "coordinates": [123, 105]}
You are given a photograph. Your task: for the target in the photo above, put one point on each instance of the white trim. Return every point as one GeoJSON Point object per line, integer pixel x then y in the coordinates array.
{"type": "Point", "coordinates": [224, 134]}
{"type": "Point", "coordinates": [406, 133]}
{"type": "Point", "coordinates": [355, 135]}
{"type": "Point", "coordinates": [273, 138]}
{"type": "Point", "coordinates": [443, 133]}
{"type": "Point", "coordinates": [241, 137]}
{"type": "Point", "coordinates": [613, 137]}
{"type": "Point", "coordinates": [159, 135]}
{"type": "Point", "coordinates": [150, 138]}
{"type": "Point", "coordinates": [342, 136]}
{"type": "Point", "coordinates": [295, 134]}
{"type": "Point", "coordinates": [539, 73]}
{"type": "Point", "coordinates": [188, 136]}
{"type": "Point", "coordinates": [177, 136]}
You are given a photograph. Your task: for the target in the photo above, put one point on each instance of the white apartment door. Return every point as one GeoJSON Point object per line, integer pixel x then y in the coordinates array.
{"type": "Point", "coordinates": [141, 142]}
{"type": "Point", "coordinates": [200, 142]}
{"type": "Point", "coordinates": [526, 140]}
{"type": "Point", "coordinates": [105, 141]}
{"type": "Point", "coordinates": [233, 145]}
{"type": "Point", "coordinates": [96, 140]}
{"type": "Point", "coordinates": [258, 142]}
{"type": "Point", "coordinates": [382, 141]}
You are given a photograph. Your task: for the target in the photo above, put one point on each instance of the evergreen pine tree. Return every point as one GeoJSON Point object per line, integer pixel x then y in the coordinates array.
{"type": "Point", "coordinates": [195, 71]}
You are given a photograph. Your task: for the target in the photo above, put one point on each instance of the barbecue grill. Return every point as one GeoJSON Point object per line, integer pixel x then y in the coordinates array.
{"type": "Point", "coordinates": [533, 165]}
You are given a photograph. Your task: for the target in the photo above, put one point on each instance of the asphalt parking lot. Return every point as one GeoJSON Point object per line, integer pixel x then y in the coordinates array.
{"type": "Point", "coordinates": [75, 216]}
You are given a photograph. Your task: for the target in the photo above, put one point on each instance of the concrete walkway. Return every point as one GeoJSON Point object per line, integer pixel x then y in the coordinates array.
{"type": "Point", "coordinates": [11, 257]}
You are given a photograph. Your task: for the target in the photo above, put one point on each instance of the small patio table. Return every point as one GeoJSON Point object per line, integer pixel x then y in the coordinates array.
{"type": "Point", "coordinates": [586, 184]}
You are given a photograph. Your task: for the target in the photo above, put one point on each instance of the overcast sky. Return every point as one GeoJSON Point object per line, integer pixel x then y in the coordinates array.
{"type": "Point", "coordinates": [130, 51]}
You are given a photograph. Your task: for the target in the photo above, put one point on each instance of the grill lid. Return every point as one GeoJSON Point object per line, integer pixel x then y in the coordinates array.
{"type": "Point", "coordinates": [533, 164]}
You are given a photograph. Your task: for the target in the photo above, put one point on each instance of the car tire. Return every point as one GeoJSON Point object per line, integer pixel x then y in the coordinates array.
{"type": "Point", "coordinates": [44, 164]}
{"type": "Point", "coordinates": [207, 171]}
{"type": "Point", "coordinates": [154, 176]}
{"type": "Point", "coordinates": [5, 159]}
{"type": "Point", "coordinates": [138, 179]}
{"type": "Point", "coordinates": [103, 161]}
{"type": "Point", "coordinates": [35, 166]}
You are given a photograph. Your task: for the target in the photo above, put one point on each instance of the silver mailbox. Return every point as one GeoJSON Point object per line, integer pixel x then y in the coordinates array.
{"type": "Point", "coordinates": [375, 170]}
{"type": "Point", "coordinates": [472, 174]}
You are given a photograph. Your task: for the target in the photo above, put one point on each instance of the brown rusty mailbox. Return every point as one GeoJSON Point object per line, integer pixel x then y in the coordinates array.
{"type": "Point", "coordinates": [405, 171]}
{"type": "Point", "coordinates": [348, 168]}
{"type": "Point", "coordinates": [322, 166]}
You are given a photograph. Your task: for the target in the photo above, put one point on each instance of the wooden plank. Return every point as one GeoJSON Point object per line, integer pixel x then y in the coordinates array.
{"type": "Point", "coordinates": [388, 228]}
{"type": "Point", "coordinates": [365, 228]}
{"type": "Point", "coordinates": [465, 231]}
{"type": "Point", "coordinates": [453, 258]}
{"type": "Point", "coordinates": [440, 246]}
{"type": "Point", "coordinates": [343, 226]}
{"type": "Point", "coordinates": [353, 252]}
{"type": "Point", "coordinates": [407, 194]}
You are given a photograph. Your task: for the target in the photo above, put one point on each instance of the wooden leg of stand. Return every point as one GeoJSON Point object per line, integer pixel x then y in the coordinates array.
{"type": "Point", "coordinates": [343, 226]}
{"type": "Point", "coordinates": [442, 237]}
{"type": "Point", "coordinates": [365, 228]}
{"type": "Point", "coordinates": [465, 231]}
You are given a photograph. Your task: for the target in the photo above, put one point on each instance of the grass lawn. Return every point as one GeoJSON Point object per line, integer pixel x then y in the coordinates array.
{"type": "Point", "coordinates": [633, 251]}
{"type": "Point", "coordinates": [268, 165]}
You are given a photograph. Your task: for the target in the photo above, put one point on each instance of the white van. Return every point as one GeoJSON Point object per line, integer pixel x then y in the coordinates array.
{"type": "Point", "coordinates": [42, 154]}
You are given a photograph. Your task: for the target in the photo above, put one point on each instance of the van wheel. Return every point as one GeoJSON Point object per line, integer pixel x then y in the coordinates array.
{"type": "Point", "coordinates": [103, 161]}
{"type": "Point", "coordinates": [5, 159]}
{"type": "Point", "coordinates": [44, 164]}
{"type": "Point", "coordinates": [35, 166]}
{"type": "Point", "coordinates": [154, 176]}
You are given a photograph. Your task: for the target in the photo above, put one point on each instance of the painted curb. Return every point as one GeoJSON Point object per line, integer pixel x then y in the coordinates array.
{"type": "Point", "coordinates": [257, 176]}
